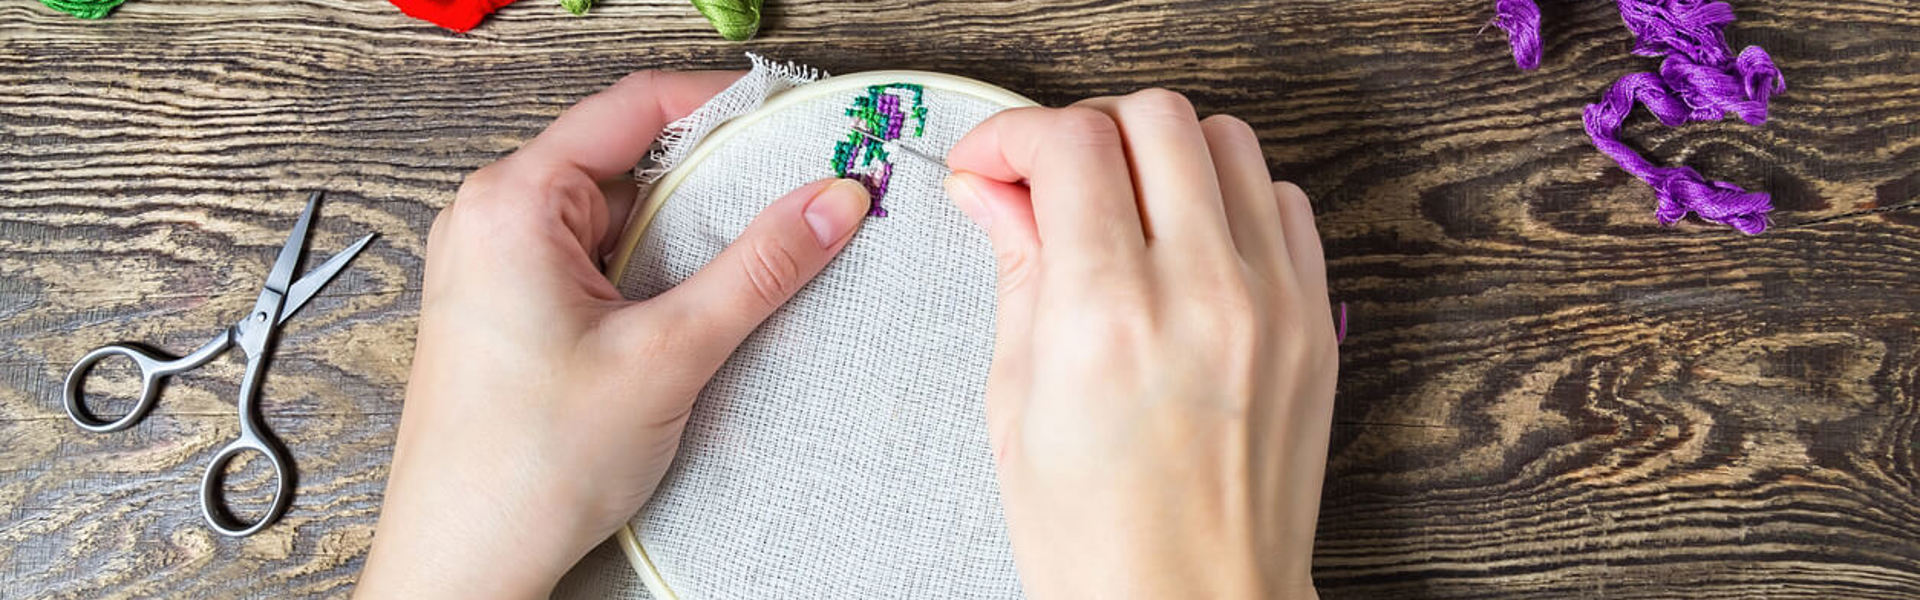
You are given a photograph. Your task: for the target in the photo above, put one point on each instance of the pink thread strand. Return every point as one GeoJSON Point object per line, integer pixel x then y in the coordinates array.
{"type": "Point", "coordinates": [1340, 332]}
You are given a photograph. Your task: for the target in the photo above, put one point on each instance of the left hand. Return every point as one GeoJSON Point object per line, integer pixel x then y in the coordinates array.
{"type": "Point", "coordinates": [543, 408]}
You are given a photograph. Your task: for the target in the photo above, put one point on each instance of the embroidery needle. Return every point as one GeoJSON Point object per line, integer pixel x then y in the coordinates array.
{"type": "Point", "coordinates": [896, 146]}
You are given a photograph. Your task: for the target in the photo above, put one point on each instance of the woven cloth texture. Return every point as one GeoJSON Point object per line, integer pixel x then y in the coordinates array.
{"type": "Point", "coordinates": [842, 451]}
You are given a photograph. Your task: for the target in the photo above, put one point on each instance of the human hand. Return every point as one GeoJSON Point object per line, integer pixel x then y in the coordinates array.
{"type": "Point", "coordinates": [543, 408]}
{"type": "Point", "coordinates": [1163, 373]}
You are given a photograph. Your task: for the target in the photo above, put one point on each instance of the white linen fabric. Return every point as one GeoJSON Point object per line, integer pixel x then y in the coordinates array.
{"type": "Point", "coordinates": [765, 79]}
{"type": "Point", "coordinates": [842, 451]}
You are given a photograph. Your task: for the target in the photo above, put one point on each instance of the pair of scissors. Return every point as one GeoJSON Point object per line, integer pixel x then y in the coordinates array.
{"type": "Point", "coordinates": [254, 334]}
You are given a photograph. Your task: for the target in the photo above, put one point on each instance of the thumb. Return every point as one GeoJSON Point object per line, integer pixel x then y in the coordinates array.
{"type": "Point", "coordinates": [1005, 211]}
{"type": "Point", "coordinates": [780, 251]}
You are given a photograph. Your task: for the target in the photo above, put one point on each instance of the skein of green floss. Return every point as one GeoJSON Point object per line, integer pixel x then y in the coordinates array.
{"type": "Point", "coordinates": [85, 9]}
{"type": "Point", "coordinates": [577, 7]}
{"type": "Point", "coordinates": [736, 20]}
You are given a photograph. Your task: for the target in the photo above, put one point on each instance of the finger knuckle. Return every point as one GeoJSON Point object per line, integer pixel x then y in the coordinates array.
{"type": "Point", "coordinates": [1227, 315]}
{"type": "Point", "coordinates": [1114, 327]}
{"type": "Point", "coordinates": [1136, 331]}
{"type": "Point", "coordinates": [1117, 311]}
{"type": "Point", "coordinates": [475, 203]}
{"type": "Point", "coordinates": [629, 86]}
{"type": "Point", "coordinates": [1162, 102]}
{"type": "Point", "coordinates": [1294, 205]}
{"type": "Point", "coordinates": [1232, 128]}
{"type": "Point", "coordinates": [481, 183]}
{"type": "Point", "coordinates": [1304, 337]}
{"type": "Point", "coordinates": [772, 272]}
{"type": "Point", "coordinates": [1302, 353]}
{"type": "Point", "coordinates": [438, 230]}
{"type": "Point", "coordinates": [1222, 304]}
{"type": "Point", "coordinates": [1290, 193]}
{"type": "Point", "coordinates": [551, 184]}
{"type": "Point", "coordinates": [512, 191]}
{"type": "Point", "coordinates": [1015, 269]}
{"type": "Point", "coordinates": [1081, 126]}
{"type": "Point", "coordinates": [644, 78]}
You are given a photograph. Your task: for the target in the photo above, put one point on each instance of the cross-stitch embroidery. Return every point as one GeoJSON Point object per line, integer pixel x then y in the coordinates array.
{"type": "Point", "coordinates": [888, 112]}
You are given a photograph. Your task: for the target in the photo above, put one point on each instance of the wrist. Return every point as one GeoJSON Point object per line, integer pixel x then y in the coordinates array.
{"type": "Point", "coordinates": [450, 532]}
{"type": "Point", "coordinates": [464, 557]}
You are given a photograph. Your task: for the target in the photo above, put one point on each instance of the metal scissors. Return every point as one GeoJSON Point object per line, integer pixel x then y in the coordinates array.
{"type": "Point", "coordinates": [279, 299]}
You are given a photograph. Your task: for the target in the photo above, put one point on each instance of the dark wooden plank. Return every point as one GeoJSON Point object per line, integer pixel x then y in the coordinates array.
{"type": "Point", "coordinates": [1545, 394]}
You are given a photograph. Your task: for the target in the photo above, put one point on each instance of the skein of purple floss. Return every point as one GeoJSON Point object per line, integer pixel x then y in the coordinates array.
{"type": "Point", "coordinates": [1699, 80]}
{"type": "Point", "coordinates": [1521, 20]}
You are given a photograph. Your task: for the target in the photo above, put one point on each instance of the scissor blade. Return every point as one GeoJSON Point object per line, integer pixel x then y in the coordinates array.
{"type": "Point", "coordinates": [310, 283]}
{"type": "Point", "coordinates": [282, 273]}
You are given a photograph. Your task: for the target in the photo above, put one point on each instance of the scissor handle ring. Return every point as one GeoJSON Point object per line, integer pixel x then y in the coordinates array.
{"type": "Point", "coordinates": [151, 370]}
{"type": "Point", "coordinates": [213, 503]}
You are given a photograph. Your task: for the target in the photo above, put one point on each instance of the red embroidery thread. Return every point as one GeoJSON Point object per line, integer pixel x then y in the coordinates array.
{"type": "Point", "coordinates": [457, 15]}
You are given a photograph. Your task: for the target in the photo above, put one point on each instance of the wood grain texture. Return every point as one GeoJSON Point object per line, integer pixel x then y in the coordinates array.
{"type": "Point", "coordinates": [1545, 394]}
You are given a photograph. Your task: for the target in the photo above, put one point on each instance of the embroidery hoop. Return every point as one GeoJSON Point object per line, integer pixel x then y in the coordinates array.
{"type": "Point", "coordinates": [642, 217]}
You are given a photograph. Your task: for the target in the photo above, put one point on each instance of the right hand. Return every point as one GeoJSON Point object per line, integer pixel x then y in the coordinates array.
{"type": "Point", "coordinates": [1164, 363]}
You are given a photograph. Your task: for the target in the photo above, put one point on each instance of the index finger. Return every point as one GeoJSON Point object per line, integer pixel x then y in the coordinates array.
{"type": "Point", "coordinates": [1075, 164]}
{"type": "Point", "coordinates": [608, 133]}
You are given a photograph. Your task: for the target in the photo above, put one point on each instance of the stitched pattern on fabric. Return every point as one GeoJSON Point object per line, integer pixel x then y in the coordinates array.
{"type": "Point", "coordinates": [887, 111]}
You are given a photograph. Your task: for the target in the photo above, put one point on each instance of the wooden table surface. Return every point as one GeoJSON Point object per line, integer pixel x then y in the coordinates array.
{"type": "Point", "coordinates": [1545, 394]}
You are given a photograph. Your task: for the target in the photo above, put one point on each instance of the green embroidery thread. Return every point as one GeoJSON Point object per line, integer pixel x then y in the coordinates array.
{"type": "Point", "coordinates": [736, 20]}
{"type": "Point", "coordinates": [85, 9]}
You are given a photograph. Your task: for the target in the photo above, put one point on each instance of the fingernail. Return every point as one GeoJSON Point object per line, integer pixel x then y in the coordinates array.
{"type": "Point", "coordinates": [836, 210]}
{"type": "Point", "coordinates": [967, 197]}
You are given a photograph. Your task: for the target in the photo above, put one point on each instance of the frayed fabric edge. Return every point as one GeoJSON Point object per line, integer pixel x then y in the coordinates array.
{"type": "Point", "coordinates": [767, 77]}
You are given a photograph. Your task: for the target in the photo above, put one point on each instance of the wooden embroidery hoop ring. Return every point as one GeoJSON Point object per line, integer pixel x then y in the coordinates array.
{"type": "Point", "coordinates": [643, 215]}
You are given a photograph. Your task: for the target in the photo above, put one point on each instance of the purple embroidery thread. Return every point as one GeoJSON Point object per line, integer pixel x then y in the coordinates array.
{"type": "Point", "coordinates": [1521, 20]}
{"type": "Point", "coordinates": [878, 112]}
{"type": "Point", "coordinates": [1699, 80]}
